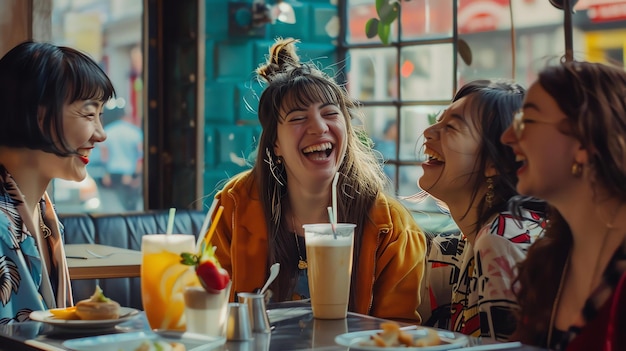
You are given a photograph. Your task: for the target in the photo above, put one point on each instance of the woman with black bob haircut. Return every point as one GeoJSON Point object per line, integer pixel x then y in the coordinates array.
{"type": "Point", "coordinates": [52, 98]}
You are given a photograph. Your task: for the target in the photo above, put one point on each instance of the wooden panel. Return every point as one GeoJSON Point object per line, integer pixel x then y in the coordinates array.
{"type": "Point", "coordinates": [15, 19]}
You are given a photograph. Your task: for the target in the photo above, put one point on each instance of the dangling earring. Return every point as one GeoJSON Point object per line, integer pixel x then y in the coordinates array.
{"type": "Point", "coordinates": [577, 169]}
{"type": "Point", "coordinates": [489, 196]}
{"type": "Point", "coordinates": [277, 168]}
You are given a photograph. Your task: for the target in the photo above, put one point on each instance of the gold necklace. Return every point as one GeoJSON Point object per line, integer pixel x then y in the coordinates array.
{"type": "Point", "coordinates": [557, 298]}
{"type": "Point", "coordinates": [301, 262]}
{"type": "Point", "coordinates": [44, 228]}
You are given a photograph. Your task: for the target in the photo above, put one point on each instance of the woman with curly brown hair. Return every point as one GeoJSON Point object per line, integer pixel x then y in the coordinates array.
{"type": "Point", "coordinates": [571, 137]}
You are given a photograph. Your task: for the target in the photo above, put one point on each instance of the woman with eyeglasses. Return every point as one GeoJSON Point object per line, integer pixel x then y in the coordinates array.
{"type": "Point", "coordinates": [571, 139]}
{"type": "Point", "coordinates": [470, 171]}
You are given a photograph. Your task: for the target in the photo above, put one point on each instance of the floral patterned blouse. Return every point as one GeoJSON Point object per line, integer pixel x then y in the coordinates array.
{"type": "Point", "coordinates": [470, 286]}
{"type": "Point", "coordinates": [30, 279]}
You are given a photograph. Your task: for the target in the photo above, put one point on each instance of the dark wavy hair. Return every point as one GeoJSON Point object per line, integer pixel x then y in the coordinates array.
{"type": "Point", "coordinates": [593, 98]}
{"type": "Point", "coordinates": [493, 103]}
{"type": "Point", "coordinates": [36, 81]}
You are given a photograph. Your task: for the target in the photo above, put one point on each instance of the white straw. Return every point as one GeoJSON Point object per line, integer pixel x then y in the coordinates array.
{"type": "Point", "coordinates": [170, 221]}
{"type": "Point", "coordinates": [205, 225]}
{"type": "Point", "coordinates": [332, 221]}
{"type": "Point", "coordinates": [334, 194]}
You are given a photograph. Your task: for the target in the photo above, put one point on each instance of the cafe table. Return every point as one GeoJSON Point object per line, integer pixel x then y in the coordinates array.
{"type": "Point", "coordinates": [94, 261]}
{"type": "Point", "coordinates": [292, 328]}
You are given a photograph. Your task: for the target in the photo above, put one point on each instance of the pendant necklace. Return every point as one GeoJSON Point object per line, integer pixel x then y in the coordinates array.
{"type": "Point", "coordinates": [557, 299]}
{"type": "Point", "coordinates": [45, 231]}
{"type": "Point", "coordinates": [301, 262]}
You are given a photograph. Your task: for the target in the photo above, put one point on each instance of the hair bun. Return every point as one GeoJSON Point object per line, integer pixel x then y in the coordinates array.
{"type": "Point", "coordinates": [282, 58]}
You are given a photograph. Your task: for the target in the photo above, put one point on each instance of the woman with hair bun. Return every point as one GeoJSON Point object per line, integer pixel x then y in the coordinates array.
{"type": "Point", "coordinates": [307, 138]}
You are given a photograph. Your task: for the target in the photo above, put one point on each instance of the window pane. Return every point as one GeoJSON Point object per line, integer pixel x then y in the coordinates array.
{"type": "Point", "coordinates": [414, 120]}
{"type": "Point", "coordinates": [422, 19]}
{"type": "Point", "coordinates": [427, 72]}
{"type": "Point", "coordinates": [372, 74]}
{"type": "Point", "coordinates": [110, 31]}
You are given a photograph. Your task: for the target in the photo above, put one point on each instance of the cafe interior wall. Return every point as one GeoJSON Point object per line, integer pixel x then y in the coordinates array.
{"type": "Point", "coordinates": [231, 90]}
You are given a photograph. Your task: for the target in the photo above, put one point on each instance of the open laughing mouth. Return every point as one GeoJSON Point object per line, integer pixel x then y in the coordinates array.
{"type": "Point", "coordinates": [319, 151]}
{"type": "Point", "coordinates": [434, 157]}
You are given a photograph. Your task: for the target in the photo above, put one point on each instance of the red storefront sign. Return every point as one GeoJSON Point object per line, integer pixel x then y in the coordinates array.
{"type": "Point", "coordinates": [481, 15]}
{"type": "Point", "coordinates": [614, 11]}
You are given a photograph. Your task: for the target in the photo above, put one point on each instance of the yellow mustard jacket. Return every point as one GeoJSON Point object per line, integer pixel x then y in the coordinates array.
{"type": "Point", "coordinates": [391, 261]}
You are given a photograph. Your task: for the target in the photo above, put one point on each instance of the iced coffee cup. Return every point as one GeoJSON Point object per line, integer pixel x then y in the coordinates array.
{"type": "Point", "coordinates": [329, 258]}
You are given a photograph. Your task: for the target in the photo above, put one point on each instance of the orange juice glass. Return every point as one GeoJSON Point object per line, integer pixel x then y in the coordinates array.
{"type": "Point", "coordinates": [163, 279]}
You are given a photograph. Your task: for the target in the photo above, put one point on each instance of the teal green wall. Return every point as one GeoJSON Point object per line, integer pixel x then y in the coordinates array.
{"type": "Point", "coordinates": [231, 90]}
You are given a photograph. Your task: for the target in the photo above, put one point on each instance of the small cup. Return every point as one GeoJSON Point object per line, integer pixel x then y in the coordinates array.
{"type": "Point", "coordinates": [259, 320]}
{"type": "Point", "coordinates": [206, 312]}
{"type": "Point", "coordinates": [238, 324]}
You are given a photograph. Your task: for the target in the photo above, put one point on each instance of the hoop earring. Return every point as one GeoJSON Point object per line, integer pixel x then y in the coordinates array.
{"type": "Point", "coordinates": [577, 169]}
{"type": "Point", "coordinates": [276, 168]}
{"type": "Point", "coordinates": [490, 194]}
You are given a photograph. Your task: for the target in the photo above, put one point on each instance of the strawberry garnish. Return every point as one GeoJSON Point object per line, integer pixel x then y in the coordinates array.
{"type": "Point", "coordinates": [212, 276]}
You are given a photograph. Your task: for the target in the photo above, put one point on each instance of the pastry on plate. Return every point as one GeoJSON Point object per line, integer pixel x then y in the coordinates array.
{"type": "Point", "coordinates": [98, 307]}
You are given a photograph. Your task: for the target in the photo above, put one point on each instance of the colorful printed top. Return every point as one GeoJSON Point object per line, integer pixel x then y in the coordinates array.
{"type": "Point", "coordinates": [30, 279]}
{"type": "Point", "coordinates": [470, 286]}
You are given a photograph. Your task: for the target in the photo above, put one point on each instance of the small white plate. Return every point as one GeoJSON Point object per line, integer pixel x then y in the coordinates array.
{"type": "Point", "coordinates": [451, 340]}
{"type": "Point", "coordinates": [131, 341]}
{"type": "Point", "coordinates": [78, 325]}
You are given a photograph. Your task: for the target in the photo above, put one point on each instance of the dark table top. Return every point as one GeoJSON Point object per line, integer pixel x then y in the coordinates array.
{"type": "Point", "coordinates": [293, 328]}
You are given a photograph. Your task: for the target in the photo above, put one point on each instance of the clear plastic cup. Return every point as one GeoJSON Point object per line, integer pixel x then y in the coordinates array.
{"type": "Point", "coordinates": [163, 279]}
{"type": "Point", "coordinates": [329, 259]}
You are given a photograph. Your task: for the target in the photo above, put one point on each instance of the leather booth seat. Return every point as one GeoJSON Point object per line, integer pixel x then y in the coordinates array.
{"type": "Point", "coordinates": [122, 230]}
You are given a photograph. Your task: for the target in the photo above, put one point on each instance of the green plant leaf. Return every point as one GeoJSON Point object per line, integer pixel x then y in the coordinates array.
{"type": "Point", "coordinates": [464, 51]}
{"type": "Point", "coordinates": [380, 4]}
{"type": "Point", "coordinates": [371, 27]}
{"type": "Point", "coordinates": [388, 12]}
{"type": "Point", "coordinates": [383, 32]}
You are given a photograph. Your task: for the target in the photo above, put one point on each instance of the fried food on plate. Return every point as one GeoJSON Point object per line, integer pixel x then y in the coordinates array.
{"type": "Point", "coordinates": [392, 336]}
{"type": "Point", "coordinates": [65, 313]}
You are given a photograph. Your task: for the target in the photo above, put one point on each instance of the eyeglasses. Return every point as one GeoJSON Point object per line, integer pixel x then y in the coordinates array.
{"type": "Point", "coordinates": [519, 124]}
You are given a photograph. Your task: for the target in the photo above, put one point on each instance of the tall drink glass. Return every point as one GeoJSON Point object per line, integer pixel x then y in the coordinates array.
{"type": "Point", "coordinates": [329, 259]}
{"type": "Point", "coordinates": [163, 279]}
